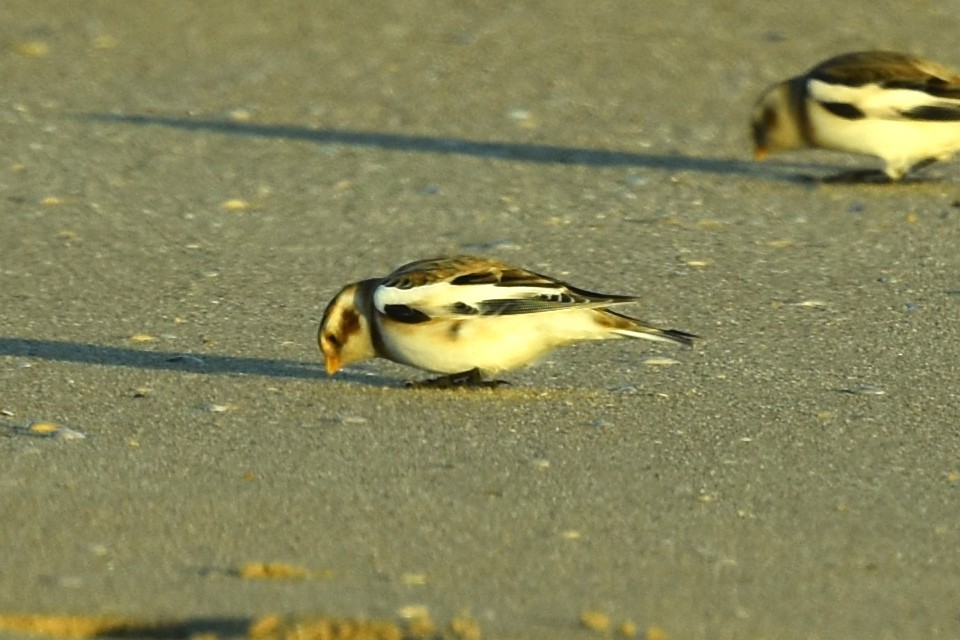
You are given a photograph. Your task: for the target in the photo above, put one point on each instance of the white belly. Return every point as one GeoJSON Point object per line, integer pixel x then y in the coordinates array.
{"type": "Point", "coordinates": [491, 344]}
{"type": "Point", "coordinates": [901, 143]}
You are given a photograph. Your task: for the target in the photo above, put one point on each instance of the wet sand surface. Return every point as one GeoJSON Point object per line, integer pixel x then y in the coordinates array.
{"type": "Point", "coordinates": [184, 187]}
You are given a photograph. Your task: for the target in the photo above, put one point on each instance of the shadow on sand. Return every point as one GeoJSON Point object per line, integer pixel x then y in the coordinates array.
{"type": "Point", "coordinates": [205, 363]}
{"type": "Point", "coordinates": [511, 151]}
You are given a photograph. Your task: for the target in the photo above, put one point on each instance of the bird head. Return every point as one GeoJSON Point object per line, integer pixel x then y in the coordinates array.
{"type": "Point", "coordinates": [344, 334]}
{"type": "Point", "coordinates": [775, 124]}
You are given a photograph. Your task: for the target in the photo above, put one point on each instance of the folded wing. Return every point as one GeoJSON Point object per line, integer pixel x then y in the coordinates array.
{"type": "Point", "coordinates": [886, 85]}
{"type": "Point", "coordinates": [478, 288]}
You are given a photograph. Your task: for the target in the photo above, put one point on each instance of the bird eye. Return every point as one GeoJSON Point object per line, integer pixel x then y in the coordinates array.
{"type": "Point", "coordinates": [333, 340]}
{"type": "Point", "coordinates": [769, 118]}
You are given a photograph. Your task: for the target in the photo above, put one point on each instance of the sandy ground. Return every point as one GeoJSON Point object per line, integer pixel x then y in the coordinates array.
{"type": "Point", "coordinates": [184, 185]}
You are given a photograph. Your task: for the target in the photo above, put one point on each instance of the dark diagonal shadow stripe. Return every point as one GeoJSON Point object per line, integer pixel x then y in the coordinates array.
{"type": "Point", "coordinates": [513, 151]}
{"type": "Point", "coordinates": [85, 353]}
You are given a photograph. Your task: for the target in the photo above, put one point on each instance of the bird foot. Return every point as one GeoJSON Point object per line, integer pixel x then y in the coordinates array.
{"type": "Point", "coordinates": [857, 176]}
{"type": "Point", "coordinates": [873, 176]}
{"type": "Point", "coordinates": [468, 379]}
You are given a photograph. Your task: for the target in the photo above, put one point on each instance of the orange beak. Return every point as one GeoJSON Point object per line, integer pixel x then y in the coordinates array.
{"type": "Point", "coordinates": [333, 363]}
{"type": "Point", "coordinates": [759, 153]}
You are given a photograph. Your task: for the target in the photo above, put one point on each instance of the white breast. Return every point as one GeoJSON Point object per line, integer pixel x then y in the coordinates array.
{"type": "Point", "coordinates": [489, 343]}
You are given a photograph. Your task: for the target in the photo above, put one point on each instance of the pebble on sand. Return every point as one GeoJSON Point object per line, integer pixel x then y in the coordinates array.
{"type": "Point", "coordinates": [54, 430]}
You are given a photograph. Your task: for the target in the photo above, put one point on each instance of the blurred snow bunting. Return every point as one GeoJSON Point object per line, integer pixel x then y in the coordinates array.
{"type": "Point", "coordinates": [469, 318]}
{"type": "Point", "coordinates": [900, 108]}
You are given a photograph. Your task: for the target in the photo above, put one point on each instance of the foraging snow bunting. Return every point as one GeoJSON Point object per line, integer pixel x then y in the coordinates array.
{"type": "Point", "coordinates": [469, 317]}
{"type": "Point", "coordinates": [900, 108]}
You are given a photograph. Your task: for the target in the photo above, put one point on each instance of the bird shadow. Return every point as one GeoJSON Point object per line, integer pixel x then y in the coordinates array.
{"type": "Point", "coordinates": [203, 363]}
{"type": "Point", "coordinates": [454, 146]}
{"type": "Point", "coordinates": [221, 627]}
{"type": "Point", "coordinates": [225, 627]}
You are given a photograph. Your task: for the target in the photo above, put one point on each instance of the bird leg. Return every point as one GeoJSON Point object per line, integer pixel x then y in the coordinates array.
{"type": "Point", "coordinates": [916, 166]}
{"type": "Point", "coordinates": [875, 176]}
{"type": "Point", "coordinates": [857, 176]}
{"type": "Point", "coordinates": [466, 379]}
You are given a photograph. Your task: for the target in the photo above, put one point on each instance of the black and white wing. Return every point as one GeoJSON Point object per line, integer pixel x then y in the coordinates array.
{"type": "Point", "coordinates": [465, 287]}
{"type": "Point", "coordinates": [885, 85]}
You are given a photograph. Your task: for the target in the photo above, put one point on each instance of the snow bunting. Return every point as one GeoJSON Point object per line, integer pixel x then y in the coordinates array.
{"type": "Point", "coordinates": [900, 108]}
{"type": "Point", "coordinates": [469, 317]}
